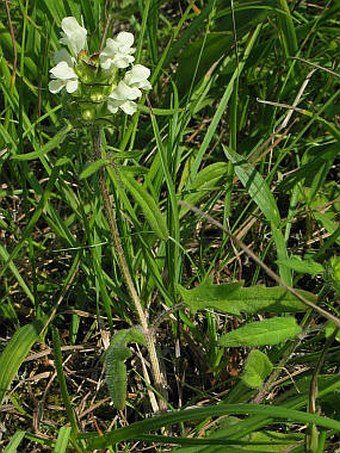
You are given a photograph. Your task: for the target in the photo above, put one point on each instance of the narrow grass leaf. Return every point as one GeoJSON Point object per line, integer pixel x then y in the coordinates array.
{"type": "Point", "coordinates": [15, 353]}
{"type": "Point", "coordinates": [262, 333]}
{"type": "Point", "coordinates": [7, 259]}
{"type": "Point", "coordinates": [222, 106]}
{"type": "Point", "coordinates": [61, 445]}
{"type": "Point", "coordinates": [14, 443]}
{"type": "Point", "coordinates": [94, 441]}
{"type": "Point", "coordinates": [148, 205]}
{"type": "Point", "coordinates": [261, 194]}
{"type": "Point", "coordinates": [206, 181]}
{"type": "Point", "coordinates": [255, 185]}
{"type": "Point", "coordinates": [58, 361]}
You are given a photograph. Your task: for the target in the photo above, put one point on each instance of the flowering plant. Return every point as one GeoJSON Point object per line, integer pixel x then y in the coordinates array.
{"type": "Point", "coordinates": [102, 83]}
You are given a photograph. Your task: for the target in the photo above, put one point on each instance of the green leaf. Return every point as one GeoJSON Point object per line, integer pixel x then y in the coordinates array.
{"type": "Point", "coordinates": [93, 168]}
{"type": "Point", "coordinates": [134, 430]}
{"type": "Point", "coordinates": [7, 259]}
{"type": "Point", "coordinates": [233, 299]}
{"type": "Point", "coordinates": [205, 182]}
{"type": "Point", "coordinates": [52, 144]}
{"type": "Point", "coordinates": [261, 333]}
{"type": "Point", "coordinates": [16, 440]}
{"type": "Point", "coordinates": [148, 205]}
{"type": "Point", "coordinates": [330, 328]}
{"type": "Point", "coordinates": [261, 194]}
{"type": "Point", "coordinates": [115, 356]}
{"type": "Point", "coordinates": [15, 353]}
{"type": "Point", "coordinates": [63, 439]}
{"type": "Point", "coordinates": [257, 368]}
{"type": "Point", "coordinates": [304, 266]}
{"type": "Point", "coordinates": [327, 223]}
{"type": "Point", "coordinates": [256, 186]}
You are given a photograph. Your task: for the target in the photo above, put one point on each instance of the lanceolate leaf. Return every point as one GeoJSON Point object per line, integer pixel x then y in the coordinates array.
{"type": "Point", "coordinates": [233, 299]}
{"type": "Point", "coordinates": [115, 357]}
{"type": "Point", "coordinates": [260, 192]}
{"type": "Point", "coordinates": [256, 186]}
{"type": "Point", "coordinates": [93, 167]}
{"type": "Point", "coordinates": [262, 333]}
{"type": "Point", "coordinates": [15, 353]}
{"type": "Point", "coordinates": [148, 205]}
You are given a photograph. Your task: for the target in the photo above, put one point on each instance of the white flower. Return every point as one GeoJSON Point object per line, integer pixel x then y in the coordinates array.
{"type": "Point", "coordinates": [73, 35]}
{"type": "Point", "coordinates": [122, 97]}
{"type": "Point", "coordinates": [63, 74]}
{"type": "Point", "coordinates": [137, 77]}
{"type": "Point", "coordinates": [118, 51]}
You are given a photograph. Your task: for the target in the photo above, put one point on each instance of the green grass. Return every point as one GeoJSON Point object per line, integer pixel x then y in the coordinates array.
{"type": "Point", "coordinates": [235, 145]}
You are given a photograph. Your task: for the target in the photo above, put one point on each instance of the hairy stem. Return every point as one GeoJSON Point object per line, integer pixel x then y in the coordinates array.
{"type": "Point", "coordinates": [124, 268]}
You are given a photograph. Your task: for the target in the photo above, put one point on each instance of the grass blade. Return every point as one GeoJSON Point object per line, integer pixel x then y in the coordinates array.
{"type": "Point", "coordinates": [15, 353]}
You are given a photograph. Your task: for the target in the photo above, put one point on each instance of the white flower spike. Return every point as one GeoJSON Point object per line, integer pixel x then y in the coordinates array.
{"type": "Point", "coordinates": [73, 35]}
{"type": "Point", "coordinates": [118, 51]}
{"type": "Point", "coordinates": [103, 83]}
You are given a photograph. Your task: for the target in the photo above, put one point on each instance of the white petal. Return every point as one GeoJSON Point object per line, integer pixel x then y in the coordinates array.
{"type": "Point", "coordinates": [71, 86]}
{"type": "Point", "coordinates": [110, 46]}
{"type": "Point", "coordinates": [113, 105]}
{"type": "Point", "coordinates": [105, 62]}
{"type": "Point", "coordinates": [56, 85]}
{"type": "Point", "coordinates": [63, 71]}
{"type": "Point", "coordinates": [117, 51]}
{"type": "Point", "coordinates": [129, 107]}
{"type": "Point", "coordinates": [138, 76]}
{"type": "Point", "coordinates": [125, 38]}
{"type": "Point", "coordinates": [123, 61]}
{"type": "Point", "coordinates": [124, 92]}
{"type": "Point", "coordinates": [74, 36]}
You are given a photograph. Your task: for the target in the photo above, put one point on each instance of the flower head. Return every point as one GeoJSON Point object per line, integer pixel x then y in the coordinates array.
{"type": "Point", "coordinates": [100, 83]}
{"type": "Point", "coordinates": [118, 51]}
{"type": "Point", "coordinates": [73, 35]}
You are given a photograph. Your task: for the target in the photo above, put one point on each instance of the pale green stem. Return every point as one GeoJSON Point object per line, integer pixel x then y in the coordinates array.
{"type": "Point", "coordinates": [124, 268]}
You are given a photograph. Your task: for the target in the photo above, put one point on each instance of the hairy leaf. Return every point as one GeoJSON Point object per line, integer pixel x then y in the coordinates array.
{"type": "Point", "coordinates": [261, 333]}
{"type": "Point", "coordinates": [115, 356]}
{"type": "Point", "coordinates": [232, 298]}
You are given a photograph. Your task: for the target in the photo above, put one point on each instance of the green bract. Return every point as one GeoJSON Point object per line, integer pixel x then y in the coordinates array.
{"type": "Point", "coordinates": [101, 83]}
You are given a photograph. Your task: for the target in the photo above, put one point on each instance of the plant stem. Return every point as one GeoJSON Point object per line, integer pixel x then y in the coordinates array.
{"type": "Point", "coordinates": [124, 268]}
